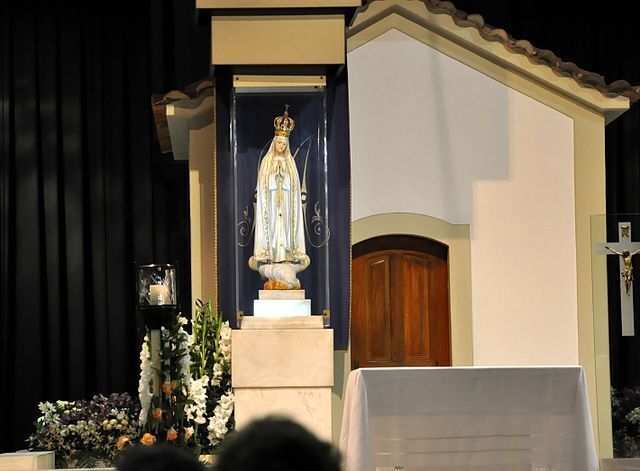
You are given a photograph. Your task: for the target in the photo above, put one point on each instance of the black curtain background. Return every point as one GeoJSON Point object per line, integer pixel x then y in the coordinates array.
{"type": "Point", "coordinates": [85, 193]}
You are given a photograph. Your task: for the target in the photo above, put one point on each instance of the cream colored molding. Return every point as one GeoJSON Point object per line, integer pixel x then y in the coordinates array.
{"type": "Point", "coordinates": [277, 40]}
{"type": "Point", "coordinates": [456, 237]}
{"type": "Point", "coordinates": [233, 4]}
{"type": "Point", "coordinates": [192, 131]}
{"type": "Point", "coordinates": [602, 367]}
{"type": "Point", "coordinates": [440, 32]}
{"type": "Point", "coordinates": [274, 81]}
{"type": "Point", "coordinates": [202, 212]}
{"type": "Point", "coordinates": [182, 115]}
{"type": "Point", "coordinates": [341, 370]}
{"type": "Point", "coordinates": [593, 330]}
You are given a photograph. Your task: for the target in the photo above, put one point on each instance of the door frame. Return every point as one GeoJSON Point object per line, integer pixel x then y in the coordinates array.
{"type": "Point", "coordinates": [433, 254]}
{"type": "Point", "coordinates": [457, 238]}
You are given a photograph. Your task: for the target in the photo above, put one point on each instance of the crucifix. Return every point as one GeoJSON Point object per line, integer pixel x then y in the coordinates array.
{"type": "Point", "coordinates": [625, 250]}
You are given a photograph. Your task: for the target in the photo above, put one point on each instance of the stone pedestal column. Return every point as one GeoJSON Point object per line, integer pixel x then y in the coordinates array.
{"type": "Point", "coordinates": [284, 367]}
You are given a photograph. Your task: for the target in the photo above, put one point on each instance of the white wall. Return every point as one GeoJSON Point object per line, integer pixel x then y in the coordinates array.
{"type": "Point", "coordinates": [431, 136]}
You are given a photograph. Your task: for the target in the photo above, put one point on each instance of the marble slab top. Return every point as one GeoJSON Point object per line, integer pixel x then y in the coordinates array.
{"type": "Point", "coordinates": [281, 323]}
{"type": "Point", "coordinates": [281, 294]}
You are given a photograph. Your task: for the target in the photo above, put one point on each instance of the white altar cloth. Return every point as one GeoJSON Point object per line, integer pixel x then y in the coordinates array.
{"type": "Point", "coordinates": [467, 418]}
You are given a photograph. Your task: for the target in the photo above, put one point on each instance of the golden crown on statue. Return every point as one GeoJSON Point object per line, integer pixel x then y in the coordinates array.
{"type": "Point", "coordinates": [284, 124]}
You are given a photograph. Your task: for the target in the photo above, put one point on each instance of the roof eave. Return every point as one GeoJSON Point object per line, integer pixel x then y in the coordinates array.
{"type": "Point", "coordinates": [610, 105]}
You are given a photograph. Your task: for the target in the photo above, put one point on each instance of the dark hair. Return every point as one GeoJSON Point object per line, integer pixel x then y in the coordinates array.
{"type": "Point", "coordinates": [276, 444]}
{"type": "Point", "coordinates": [157, 458]}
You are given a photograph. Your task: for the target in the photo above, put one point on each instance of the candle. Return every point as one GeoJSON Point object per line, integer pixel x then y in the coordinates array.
{"type": "Point", "coordinates": [159, 295]}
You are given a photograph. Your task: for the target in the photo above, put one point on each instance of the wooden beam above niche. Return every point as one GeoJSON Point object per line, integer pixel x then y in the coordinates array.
{"type": "Point", "coordinates": [278, 40]}
{"type": "Point", "coordinates": [233, 4]}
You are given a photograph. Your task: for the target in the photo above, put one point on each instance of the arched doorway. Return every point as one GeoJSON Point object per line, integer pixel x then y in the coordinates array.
{"type": "Point", "coordinates": [400, 308]}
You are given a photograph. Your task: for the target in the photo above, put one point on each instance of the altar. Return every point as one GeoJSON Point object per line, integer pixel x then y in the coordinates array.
{"type": "Point", "coordinates": [510, 418]}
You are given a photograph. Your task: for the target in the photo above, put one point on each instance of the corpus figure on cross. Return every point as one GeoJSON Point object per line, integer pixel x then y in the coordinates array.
{"type": "Point", "coordinates": [627, 271]}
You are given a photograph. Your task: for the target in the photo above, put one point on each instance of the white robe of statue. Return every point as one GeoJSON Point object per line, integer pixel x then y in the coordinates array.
{"type": "Point", "coordinates": [279, 246]}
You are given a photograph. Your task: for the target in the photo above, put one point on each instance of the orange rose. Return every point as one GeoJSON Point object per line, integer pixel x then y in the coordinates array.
{"type": "Point", "coordinates": [148, 439]}
{"type": "Point", "coordinates": [166, 387]}
{"type": "Point", "coordinates": [171, 434]}
{"type": "Point", "coordinates": [122, 442]}
{"type": "Point", "coordinates": [157, 414]}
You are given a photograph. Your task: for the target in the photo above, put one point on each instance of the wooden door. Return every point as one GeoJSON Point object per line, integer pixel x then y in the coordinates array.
{"type": "Point", "coordinates": [400, 309]}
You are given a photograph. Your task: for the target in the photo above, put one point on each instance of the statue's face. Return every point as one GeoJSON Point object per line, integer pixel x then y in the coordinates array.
{"type": "Point", "coordinates": [281, 146]}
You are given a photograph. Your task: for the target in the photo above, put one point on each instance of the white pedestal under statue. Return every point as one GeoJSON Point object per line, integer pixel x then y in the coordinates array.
{"type": "Point", "coordinates": [283, 366]}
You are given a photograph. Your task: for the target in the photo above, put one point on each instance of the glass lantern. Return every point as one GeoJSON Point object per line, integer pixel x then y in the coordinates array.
{"type": "Point", "coordinates": [156, 286]}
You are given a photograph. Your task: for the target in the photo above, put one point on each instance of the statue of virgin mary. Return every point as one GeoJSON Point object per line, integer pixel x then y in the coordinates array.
{"type": "Point", "coordinates": [279, 246]}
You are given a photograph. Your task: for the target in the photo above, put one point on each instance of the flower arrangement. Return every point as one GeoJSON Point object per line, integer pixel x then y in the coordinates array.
{"type": "Point", "coordinates": [625, 405]}
{"type": "Point", "coordinates": [192, 405]}
{"type": "Point", "coordinates": [86, 433]}
{"type": "Point", "coordinates": [211, 398]}
{"type": "Point", "coordinates": [162, 415]}
{"type": "Point", "coordinates": [195, 408]}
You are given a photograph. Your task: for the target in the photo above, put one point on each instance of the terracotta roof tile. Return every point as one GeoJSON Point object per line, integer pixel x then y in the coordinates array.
{"type": "Point", "coordinates": [535, 55]}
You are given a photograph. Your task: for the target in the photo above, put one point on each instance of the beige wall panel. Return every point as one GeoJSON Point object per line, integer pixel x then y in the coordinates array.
{"type": "Point", "coordinates": [523, 245]}
{"type": "Point", "coordinates": [277, 40]}
{"type": "Point", "coordinates": [276, 3]}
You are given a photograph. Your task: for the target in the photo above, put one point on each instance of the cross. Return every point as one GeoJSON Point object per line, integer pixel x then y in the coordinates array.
{"type": "Point", "coordinates": [625, 250]}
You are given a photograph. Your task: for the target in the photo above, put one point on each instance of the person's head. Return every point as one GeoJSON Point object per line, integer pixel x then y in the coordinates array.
{"type": "Point", "coordinates": [157, 458]}
{"type": "Point", "coordinates": [276, 444]}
